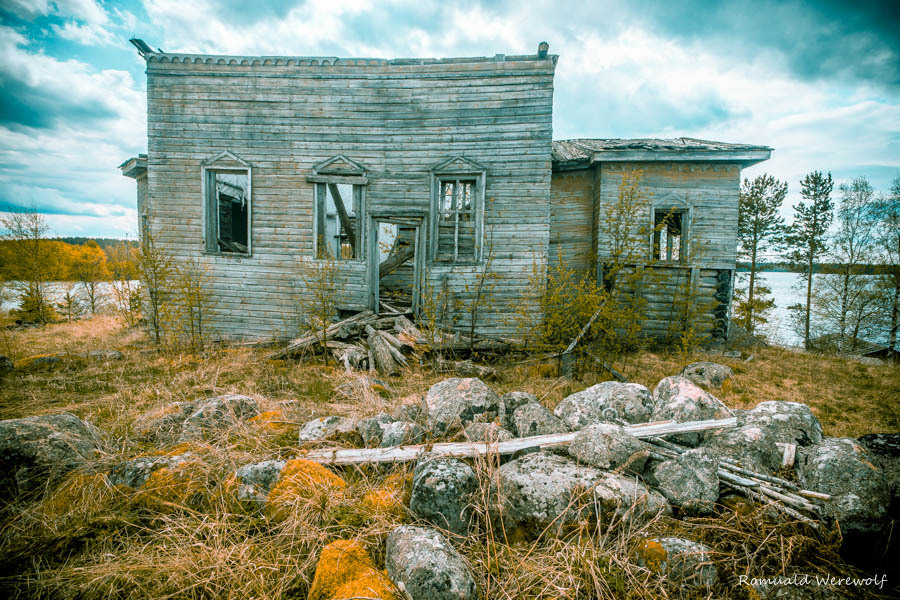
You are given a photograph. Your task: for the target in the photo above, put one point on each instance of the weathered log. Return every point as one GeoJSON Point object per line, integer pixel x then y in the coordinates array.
{"type": "Point", "coordinates": [381, 351]}
{"type": "Point", "coordinates": [302, 344]}
{"type": "Point", "coordinates": [351, 456]}
{"type": "Point", "coordinates": [350, 355]}
{"type": "Point", "coordinates": [346, 224]}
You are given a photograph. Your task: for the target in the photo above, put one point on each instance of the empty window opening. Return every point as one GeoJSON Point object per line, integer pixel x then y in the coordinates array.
{"type": "Point", "coordinates": [456, 221]}
{"type": "Point", "coordinates": [338, 221]}
{"type": "Point", "coordinates": [228, 211]}
{"type": "Point", "coordinates": [668, 235]}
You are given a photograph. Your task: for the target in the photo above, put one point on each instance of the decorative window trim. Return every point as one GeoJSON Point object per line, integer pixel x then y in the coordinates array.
{"type": "Point", "coordinates": [673, 203]}
{"type": "Point", "coordinates": [339, 170]}
{"type": "Point", "coordinates": [210, 235]}
{"type": "Point", "coordinates": [457, 168]}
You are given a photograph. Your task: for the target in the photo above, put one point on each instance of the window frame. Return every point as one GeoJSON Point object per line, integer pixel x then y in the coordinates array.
{"type": "Point", "coordinates": [457, 169]}
{"type": "Point", "coordinates": [358, 193]}
{"type": "Point", "coordinates": [210, 237]}
{"type": "Point", "coordinates": [675, 205]}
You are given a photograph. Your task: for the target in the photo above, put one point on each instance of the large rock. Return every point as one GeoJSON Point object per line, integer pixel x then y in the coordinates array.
{"type": "Point", "coordinates": [345, 570]}
{"type": "Point", "coordinates": [486, 432]}
{"type": "Point", "coordinates": [331, 428]}
{"type": "Point", "coordinates": [163, 425]}
{"type": "Point", "coordinates": [513, 400]}
{"type": "Point", "coordinates": [681, 561]}
{"type": "Point", "coordinates": [402, 433]}
{"type": "Point", "coordinates": [608, 446]}
{"type": "Point", "coordinates": [453, 403]}
{"type": "Point", "coordinates": [884, 448]}
{"type": "Point", "coordinates": [752, 446]}
{"type": "Point", "coordinates": [441, 493]}
{"type": "Point", "coordinates": [690, 481]}
{"type": "Point", "coordinates": [788, 422]}
{"type": "Point", "coordinates": [427, 566]}
{"type": "Point", "coordinates": [707, 373]}
{"type": "Point", "coordinates": [679, 399]}
{"type": "Point", "coordinates": [609, 401]}
{"type": "Point", "coordinates": [217, 414]}
{"type": "Point", "coordinates": [36, 452]}
{"type": "Point", "coordinates": [620, 499]}
{"type": "Point", "coordinates": [541, 488]}
{"type": "Point", "coordinates": [135, 472]}
{"type": "Point", "coordinates": [255, 481]}
{"type": "Point", "coordinates": [533, 419]}
{"type": "Point", "coordinates": [371, 429]}
{"type": "Point", "coordinates": [860, 496]}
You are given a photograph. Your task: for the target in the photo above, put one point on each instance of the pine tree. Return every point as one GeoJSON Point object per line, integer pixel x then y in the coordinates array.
{"type": "Point", "coordinates": [760, 228]}
{"type": "Point", "coordinates": [806, 235]}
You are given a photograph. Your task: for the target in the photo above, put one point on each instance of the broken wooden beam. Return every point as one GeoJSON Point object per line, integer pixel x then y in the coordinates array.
{"type": "Point", "coordinates": [346, 225]}
{"type": "Point", "coordinates": [353, 456]}
{"type": "Point", "coordinates": [301, 344]}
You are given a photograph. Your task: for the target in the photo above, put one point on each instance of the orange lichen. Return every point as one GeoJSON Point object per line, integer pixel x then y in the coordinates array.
{"type": "Point", "coordinates": [345, 571]}
{"type": "Point", "coordinates": [169, 487]}
{"type": "Point", "coordinates": [653, 554]}
{"type": "Point", "coordinates": [390, 497]}
{"type": "Point", "coordinates": [301, 480]}
{"type": "Point", "coordinates": [273, 421]}
{"type": "Point", "coordinates": [180, 449]}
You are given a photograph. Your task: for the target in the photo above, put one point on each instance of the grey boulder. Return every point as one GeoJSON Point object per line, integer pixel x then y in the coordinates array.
{"type": "Point", "coordinates": [454, 403]}
{"type": "Point", "coordinates": [787, 422]}
{"type": "Point", "coordinates": [217, 414]}
{"type": "Point", "coordinates": [679, 399]}
{"type": "Point", "coordinates": [401, 433]}
{"type": "Point", "coordinates": [609, 401]}
{"type": "Point", "coordinates": [427, 566]}
{"type": "Point", "coordinates": [681, 561]}
{"type": "Point", "coordinates": [707, 373]}
{"type": "Point", "coordinates": [163, 425]}
{"type": "Point", "coordinates": [486, 432]}
{"type": "Point", "coordinates": [37, 452]}
{"type": "Point", "coordinates": [513, 400]}
{"type": "Point", "coordinates": [542, 489]}
{"type": "Point", "coordinates": [620, 499]}
{"type": "Point", "coordinates": [329, 428]}
{"type": "Point", "coordinates": [441, 492]}
{"type": "Point", "coordinates": [690, 481]}
{"type": "Point", "coordinates": [860, 495]}
{"type": "Point", "coordinates": [371, 429]}
{"type": "Point", "coordinates": [533, 419]}
{"type": "Point", "coordinates": [135, 472]}
{"type": "Point", "coordinates": [608, 446]}
{"type": "Point", "coordinates": [753, 447]}
{"type": "Point", "coordinates": [255, 481]}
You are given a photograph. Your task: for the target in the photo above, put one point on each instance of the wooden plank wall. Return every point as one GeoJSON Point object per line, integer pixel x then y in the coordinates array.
{"type": "Point", "coordinates": [571, 220]}
{"type": "Point", "coordinates": [397, 119]}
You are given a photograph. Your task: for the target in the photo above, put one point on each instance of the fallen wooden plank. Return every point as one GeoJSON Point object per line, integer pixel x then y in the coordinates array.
{"type": "Point", "coordinates": [300, 344]}
{"type": "Point", "coordinates": [352, 456]}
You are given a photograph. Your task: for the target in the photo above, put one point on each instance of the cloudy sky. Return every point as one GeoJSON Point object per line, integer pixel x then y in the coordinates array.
{"type": "Point", "coordinates": [819, 82]}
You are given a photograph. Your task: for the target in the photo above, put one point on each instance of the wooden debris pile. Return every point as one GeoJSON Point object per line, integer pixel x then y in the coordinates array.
{"type": "Point", "coordinates": [385, 343]}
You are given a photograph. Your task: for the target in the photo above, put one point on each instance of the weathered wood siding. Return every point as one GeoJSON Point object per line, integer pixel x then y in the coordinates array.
{"type": "Point", "coordinates": [397, 118]}
{"type": "Point", "coordinates": [571, 220]}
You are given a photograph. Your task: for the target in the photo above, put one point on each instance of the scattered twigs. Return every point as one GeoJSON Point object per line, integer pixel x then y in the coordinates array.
{"type": "Point", "coordinates": [348, 456]}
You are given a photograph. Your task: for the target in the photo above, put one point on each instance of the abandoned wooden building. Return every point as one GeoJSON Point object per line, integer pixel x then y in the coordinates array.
{"type": "Point", "coordinates": [412, 175]}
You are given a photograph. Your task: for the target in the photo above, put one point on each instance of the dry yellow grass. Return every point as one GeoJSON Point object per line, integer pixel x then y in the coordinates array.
{"type": "Point", "coordinates": [182, 536]}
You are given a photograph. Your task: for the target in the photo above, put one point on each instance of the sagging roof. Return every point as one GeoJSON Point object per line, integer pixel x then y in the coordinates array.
{"type": "Point", "coordinates": [580, 153]}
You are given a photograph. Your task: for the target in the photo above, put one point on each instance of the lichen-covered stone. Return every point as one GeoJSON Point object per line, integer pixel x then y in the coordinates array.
{"type": "Point", "coordinates": [371, 429]}
{"type": "Point", "coordinates": [216, 414]}
{"type": "Point", "coordinates": [752, 446]}
{"type": "Point", "coordinates": [454, 403]}
{"type": "Point", "coordinates": [609, 401]}
{"type": "Point", "coordinates": [690, 481]}
{"type": "Point", "coordinates": [301, 482]}
{"type": "Point", "coordinates": [427, 565]}
{"type": "Point", "coordinates": [884, 448]}
{"type": "Point", "coordinates": [542, 488]}
{"type": "Point", "coordinates": [626, 500]}
{"type": "Point", "coordinates": [163, 424]}
{"type": "Point", "coordinates": [36, 452]}
{"type": "Point", "coordinates": [679, 399]}
{"type": "Point", "coordinates": [345, 571]}
{"type": "Point", "coordinates": [441, 493]}
{"type": "Point", "coordinates": [787, 422]}
{"type": "Point", "coordinates": [608, 446]}
{"type": "Point", "coordinates": [707, 373]}
{"type": "Point", "coordinates": [402, 433]}
{"type": "Point", "coordinates": [513, 400]}
{"type": "Point", "coordinates": [486, 432]}
{"type": "Point", "coordinates": [331, 428]}
{"type": "Point", "coordinates": [681, 561]}
{"type": "Point", "coordinates": [860, 495]}
{"type": "Point", "coordinates": [135, 472]}
{"type": "Point", "coordinates": [533, 419]}
{"type": "Point", "coordinates": [255, 481]}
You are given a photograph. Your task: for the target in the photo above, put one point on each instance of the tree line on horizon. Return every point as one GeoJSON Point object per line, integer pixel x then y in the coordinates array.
{"type": "Point", "coordinates": [855, 238]}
